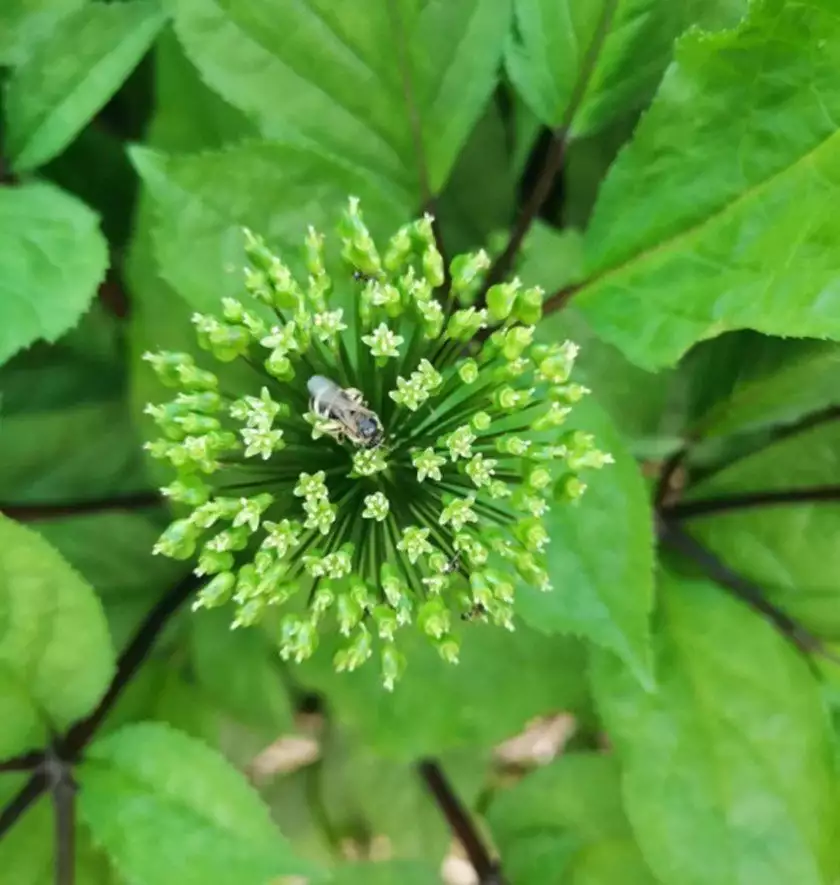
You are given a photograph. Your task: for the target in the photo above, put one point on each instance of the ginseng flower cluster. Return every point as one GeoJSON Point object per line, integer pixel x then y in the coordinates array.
{"type": "Point", "coordinates": [391, 456]}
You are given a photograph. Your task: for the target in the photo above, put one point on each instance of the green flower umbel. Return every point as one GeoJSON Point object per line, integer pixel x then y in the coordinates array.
{"type": "Point", "coordinates": [391, 457]}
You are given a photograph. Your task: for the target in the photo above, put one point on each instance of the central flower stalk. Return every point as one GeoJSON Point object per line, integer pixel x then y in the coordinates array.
{"type": "Point", "coordinates": [392, 458]}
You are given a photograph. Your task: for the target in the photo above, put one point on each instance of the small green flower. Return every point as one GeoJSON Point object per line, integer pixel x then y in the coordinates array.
{"type": "Point", "coordinates": [328, 324]}
{"type": "Point", "coordinates": [383, 342]}
{"type": "Point", "coordinates": [414, 543]}
{"type": "Point", "coordinates": [376, 507]}
{"type": "Point", "coordinates": [459, 442]}
{"type": "Point", "coordinates": [428, 463]}
{"type": "Point", "coordinates": [411, 494]}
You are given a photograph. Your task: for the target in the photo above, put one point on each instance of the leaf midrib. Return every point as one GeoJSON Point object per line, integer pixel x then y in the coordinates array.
{"type": "Point", "coordinates": [628, 265]}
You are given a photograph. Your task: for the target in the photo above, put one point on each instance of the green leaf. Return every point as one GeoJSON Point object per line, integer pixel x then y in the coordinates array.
{"type": "Point", "coordinates": [366, 793]}
{"type": "Point", "coordinates": [387, 873]}
{"type": "Point", "coordinates": [26, 851]}
{"type": "Point", "coordinates": [502, 680]}
{"type": "Point", "coordinates": [578, 792]}
{"type": "Point", "coordinates": [540, 858]}
{"type": "Point", "coordinates": [567, 817]}
{"type": "Point", "coordinates": [479, 197]}
{"type": "Point", "coordinates": [705, 224]}
{"type": "Point", "coordinates": [647, 408]}
{"type": "Point", "coordinates": [789, 550]}
{"type": "Point", "coordinates": [52, 260]}
{"type": "Point", "coordinates": [612, 861]}
{"type": "Point", "coordinates": [349, 71]}
{"type": "Point", "coordinates": [754, 381]}
{"type": "Point", "coordinates": [586, 164]}
{"type": "Point", "coordinates": [202, 201]}
{"type": "Point", "coordinates": [110, 192]}
{"type": "Point", "coordinates": [66, 434]}
{"type": "Point", "coordinates": [167, 809]}
{"type": "Point", "coordinates": [66, 437]}
{"type": "Point", "coordinates": [56, 658]}
{"type": "Point", "coordinates": [600, 557]}
{"type": "Point", "coordinates": [713, 14]}
{"type": "Point", "coordinates": [728, 772]}
{"type": "Point", "coordinates": [240, 670]}
{"type": "Point", "coordinates": [24, 23]}
{"type": "Point", "coordinates": [188, 115]}
{"type": "Point", "coordinates": [297, 810]}
{"type": "Point", "coordinates": [579, 64]}
{"type": "Point", "coordinates": [72, 74]}
{"type": "Point", "coordinates": [113, 551]}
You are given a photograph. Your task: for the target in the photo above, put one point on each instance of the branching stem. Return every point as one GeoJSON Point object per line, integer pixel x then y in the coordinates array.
{"type": "Point", "coordinates": [752, 500]}
{"type": "Point", "coordinates": [41, 512]}
{"type": "Point", "coordinates": [675, 537]}
{"type": "Point", "coordinates": [462, 827]}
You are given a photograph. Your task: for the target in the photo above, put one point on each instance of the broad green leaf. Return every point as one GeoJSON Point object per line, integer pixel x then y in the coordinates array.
{"type": "Point", "coordinates": [297, 811]}
{"type": "Point", "coordinates": [52, 260]}
{"type": "Point", "coordinates": [541, 857]}
{"type": "Point", "coordinates": [479, 198]}
{"type": "Point", "coordinates": [189, 116]}
{"type": "Point", "coordinates": [110, 192]}
{"type": "Point", "coordinates": [790, 550]}
{"type": "Point", "coordinates": [113, 551]}
{"type": "Point", "coordinates": [367, 793]}
{"type": "Point", "coordinates": [69, 76]}
{"type": "Point", "coordinates": [611, 862]}
{"type": "Point", "coordinates": [586, 164]}
{"type": "Point", "coordinates": [56, 658]}
{"type": "Point", "coordinates": [26, 850]}
{"type": "Point", "coordinates": [24, 23]}
{"type": "Point", "coordinates": [387, 873]}
{"type": "Point", "coordinates": [240, 670]}
{"type": "Point", "coordinates": [746, 381]}
{"type": "Point", "coordinates": [707, 224]}
{"type": "Point", "coordinates": [567, 818]}
{"type": "Point", "coordinates": [164, 692]}
{"type": "Point", "coordinates": [65, 434]}
{"type": "Point", "coordinates": [600, 557]}
{"type": "Point", "coordinates": [167, 809]}
{"type": "Point", "coordinates": [728, 772]}
{"type": "Point", "coordinates": [714, 14]}
{"type": "Point", "coordinates": [359, 78]}
{"type": "Point", "coordinates": [65, 438]}
{"type": "Point", "coordinates": [578, 791]}
{"type": "Point", "coordinates": [579, 64]}
{"type": "Point", "coordinates": [502, 680]}
{"type": "Point", "coordinates": [647, 408]}
{"type": "Point", "coordinates": [202, 201]}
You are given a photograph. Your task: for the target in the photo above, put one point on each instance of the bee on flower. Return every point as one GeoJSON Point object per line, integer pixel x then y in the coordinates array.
{"type": "Point", "coordinates": [390, 462]}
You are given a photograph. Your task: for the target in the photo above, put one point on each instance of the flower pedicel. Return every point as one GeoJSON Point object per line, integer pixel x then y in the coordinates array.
{"type": "Point", "coordinates": [440, 517]}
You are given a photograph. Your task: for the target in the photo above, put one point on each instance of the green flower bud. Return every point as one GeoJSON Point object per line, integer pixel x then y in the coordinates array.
{"type": "Point", "coordinates": [480, 422]}
{"type": "Point", "coordinates": [356, 653]}
{"type": "Point", "coordinates": [168, 365]}
{"type": "Point", "coordinates": [393, 666]}
{"type": "Point", "coordinates": [468, 371]}
{"type": "Point", "coordinates": [466, 271]}
{"type": "Point", "coordinates": [216, 592]}
{"type": "Point", "coordinates": [178, 540]}
{"type": "Point", "coordinates": [528, 308]}
{"type": "Point", "coordinates": [500, 300]}
{"type": "Point", "coordinates": [448, 648]}
{"type": "Point", "coordinates": [188, 489]}
{"type": "Point", "coordinates": [433, 618]}
{"type": "Point", "coordinates": [211, 562]}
